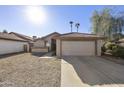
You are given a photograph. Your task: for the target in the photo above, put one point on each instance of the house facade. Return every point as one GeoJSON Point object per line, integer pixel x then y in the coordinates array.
{"type": "Point", "coordinates": [69, 44]}
{"type": "Point", "coordinates": [39, 43]}
{"type": "Point", "coordinates": [27, 38]}
{"type": "Point", "coordinates": [45, 43]}
{"type": "Point", "coordinates": [10, 43]}
{"type": "Point", "coordinates": [78, 44]}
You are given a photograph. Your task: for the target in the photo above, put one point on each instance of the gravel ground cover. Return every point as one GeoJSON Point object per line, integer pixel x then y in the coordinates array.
{"type": "Point", "coordinates": [27, 70]}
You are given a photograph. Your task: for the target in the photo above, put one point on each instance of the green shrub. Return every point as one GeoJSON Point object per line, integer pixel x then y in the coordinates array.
{"type": "Point", "coordinates": [113, 49]}
{"type": "Point", "coordinates": [109, 45]}
{"type": "Point", "coordinates": [109, 51]}
{"type": "Point", "coordinates": [103, 49]}
{"type": "Point", "coordinates": [118, 51]}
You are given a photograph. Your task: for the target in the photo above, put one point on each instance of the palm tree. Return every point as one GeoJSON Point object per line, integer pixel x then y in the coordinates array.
{"type": "Point", "coordinates": [77, 25]}
{"type": "Point", "coordinates": [71, 22]}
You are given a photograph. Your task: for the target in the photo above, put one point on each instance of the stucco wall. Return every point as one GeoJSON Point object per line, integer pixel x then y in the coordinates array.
{"type": "Point", "coordinates": [58, 47]}
{"type": "Point", "coordinates": [99, 45]}
{"type": "Point", "coordinates": [39, 49]}
{"type": "Point", "coordinates": [8, 46]}
{"type": "Point", "coordinates": [48, 39]}
{"type": "Point", "coordinates": [39, 43]}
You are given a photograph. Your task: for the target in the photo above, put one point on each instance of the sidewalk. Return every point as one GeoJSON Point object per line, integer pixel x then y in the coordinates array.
{"type": "Point", "coordinates": [69, 77]}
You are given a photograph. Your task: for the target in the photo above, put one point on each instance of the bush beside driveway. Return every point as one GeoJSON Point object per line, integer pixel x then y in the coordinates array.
{"type": "Point", "coordinates": [26, 70]}
{"type": "Point", "coordinates": [113, 49]}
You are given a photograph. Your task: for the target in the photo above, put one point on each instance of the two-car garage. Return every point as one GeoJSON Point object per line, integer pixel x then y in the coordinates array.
{"type": "Point", "coordinates": [78, 44]}
{"type": "Point", "coordinates": [78, 48]}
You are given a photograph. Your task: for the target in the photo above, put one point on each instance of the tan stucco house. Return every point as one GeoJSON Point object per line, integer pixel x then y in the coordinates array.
{"type": "Point", "coordinates": [27, 38]}
{"type": "Point", "coordinates": [69, 44]}
{"type": "Point", "coordinates": [10, 43]}
{"type": "Point", "coordinates": [78, 44]}
{"type": "Point", "coordinates": [45, 43]}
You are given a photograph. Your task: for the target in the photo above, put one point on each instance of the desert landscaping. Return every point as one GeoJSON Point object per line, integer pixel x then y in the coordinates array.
{"type": "Point", "coordinates": [28, 71]}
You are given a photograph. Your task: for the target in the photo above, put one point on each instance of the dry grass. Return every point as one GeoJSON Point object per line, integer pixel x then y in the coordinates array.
{"type": "Point", "coordinates": [26, 70]}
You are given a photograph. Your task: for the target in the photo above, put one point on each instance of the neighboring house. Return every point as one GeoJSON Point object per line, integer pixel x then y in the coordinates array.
{"type": "Point", "coordinates": [121, 42]}
{"type": "Point", "coordinates": [27, 38]}
{"type": "Point", "coordinates": [39, 42]}
{"type": "Point", "coordinates": [39, 45]}
{"type": "Point", "coordinates": [50, 42]}
{"type": "Point", "coordinates": [10, 43]}
{"type": "Point", "coordinates": [45, 43]}
{"type": "Point", "coordinates": [78, 44]}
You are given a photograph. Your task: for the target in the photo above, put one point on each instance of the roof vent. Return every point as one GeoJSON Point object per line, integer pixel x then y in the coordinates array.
{"type": "Point", "coordinates": [5, 31]}
{"type": "Point", "coordinates": [34, 37]}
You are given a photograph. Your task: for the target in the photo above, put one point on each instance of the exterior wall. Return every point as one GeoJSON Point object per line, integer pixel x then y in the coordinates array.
{"type": "Point", "coordinates": [99, 45]}
{"type": "Point", "coordinates": [8, 46]}
{"type": "Point", "coordinates": [58, 48]}
{"type": "Point", "coordinates": [39, 49]}
{"type": "Point", "coordinates": [48, 39]}
{"type": "Point", "coordinates": [39, 43]}
{"type": "Point", "coordinates": [78, 48]}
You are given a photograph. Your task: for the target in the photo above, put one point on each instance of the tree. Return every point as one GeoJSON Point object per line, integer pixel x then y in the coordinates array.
{"type": "Point", "coordinates": [95, 22]}
{"type": "Point", "coordinates": [101, 22]}
{"type": "Point", "coordinates": [117, 27]}
{"type": "Point", "coordinates": [105, 23]}
{"type": "Point", "coordinates": [71, 23]}
{"type": "Point", "coordinates": [120, 26]}
{"type": "Point", "coordinates": [77, 26]}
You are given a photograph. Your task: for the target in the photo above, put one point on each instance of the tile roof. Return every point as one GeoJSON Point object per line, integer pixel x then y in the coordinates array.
{"type": "Point", "coordinates": [44, 37]}
{"type": "Point", "coordinates": [39, 39]}
{"type": "Point", "coordinates": [23, 36]}
{"type": "Point", "coordinates": [9, 36]}
{"type": "Point", "coordinates": [56, 33]}
{"type": "Point", "coordinates": [79, 35]}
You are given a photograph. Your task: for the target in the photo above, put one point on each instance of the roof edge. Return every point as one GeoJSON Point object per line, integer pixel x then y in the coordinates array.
{"type": "Point", "coordinates": [78, 38]}
{"type": "Point", "coordinates": [13, 39]}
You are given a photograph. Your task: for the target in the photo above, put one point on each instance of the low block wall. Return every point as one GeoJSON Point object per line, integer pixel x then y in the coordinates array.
{"type": "Point", "coordinates": [39, 49]}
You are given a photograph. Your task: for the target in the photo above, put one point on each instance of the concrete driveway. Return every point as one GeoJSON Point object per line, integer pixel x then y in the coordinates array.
{"type": "Point", "coordinates": [91, 71]}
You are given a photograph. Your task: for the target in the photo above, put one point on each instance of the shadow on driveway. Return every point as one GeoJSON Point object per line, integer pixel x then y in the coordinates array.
{"type": "Point", "coordinates": [97, 71]}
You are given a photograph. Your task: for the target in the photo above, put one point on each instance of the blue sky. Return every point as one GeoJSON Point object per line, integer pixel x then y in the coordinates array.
{"type": "Point", "coordinates": [13, 18]}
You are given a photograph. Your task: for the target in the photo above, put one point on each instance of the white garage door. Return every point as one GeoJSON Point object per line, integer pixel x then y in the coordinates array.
{"type": "Point", "coordinates": [7, 46]}
{"type": "Point", "coordinates": [78, 48]}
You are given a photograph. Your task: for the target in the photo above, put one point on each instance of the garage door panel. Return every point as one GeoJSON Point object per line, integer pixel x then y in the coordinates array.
{"type": "Point", "coordinates": [78, 48]}
{"type": "Point", "coordinates": [8, 46]}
